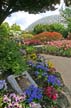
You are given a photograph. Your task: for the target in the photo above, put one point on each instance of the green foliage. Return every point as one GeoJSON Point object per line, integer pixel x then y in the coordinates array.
{"type": "Point", "coordinates": [15, 27]}
{"type": "Point", "coordinates": [55, 51]}
{"type": "Point", "coordinates": [26, 36]}
{"type": "Point", "coordinates": [67, 52]}
{"type": "Point", "coordinates": [67, 15]}
{"type": "Point", "coordinates": [41, 28]}
{"type": "Point", "coordinates": [51, 49]}
{"type": "Point", "coordinates": [30, 49]}
{"type": "Point", "coordinates": [4, 29]}
{"type": "Point", "coordinates": [57, 27]}
{"type": "Point", "coordinates": [11, 60]}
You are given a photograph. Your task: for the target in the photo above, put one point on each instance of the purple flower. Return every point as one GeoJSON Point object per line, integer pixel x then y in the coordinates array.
{"type": "Point", "coordinates": [53, 80]}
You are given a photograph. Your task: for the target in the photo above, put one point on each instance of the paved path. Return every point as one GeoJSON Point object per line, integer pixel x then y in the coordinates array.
{"type": "Point", "coordinates": [62, 65]}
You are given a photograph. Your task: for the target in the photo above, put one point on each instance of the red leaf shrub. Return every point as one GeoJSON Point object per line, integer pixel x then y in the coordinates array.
{"type": "Point", "coordinates": [32, 42]}
{"type": "Point", "coordinates": [48, 36]}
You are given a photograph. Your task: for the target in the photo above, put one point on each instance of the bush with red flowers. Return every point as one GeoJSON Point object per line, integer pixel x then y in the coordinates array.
{"type": "Point", "coordinates": [48, 36]}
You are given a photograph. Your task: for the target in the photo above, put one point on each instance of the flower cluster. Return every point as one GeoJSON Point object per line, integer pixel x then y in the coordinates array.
{"type": "Point", "coordinates": [33, 94]}
{"type": "Point", "coordinates": [40, 69]}
{"type": "Point", "coordinates": [60, 44]}
{"type": "Point", "coordinates": [13, 101]}
{"type": "Point", "coordinates": [53, 80]}
{"type": "Point", "coordinates": [51, 92]}
{"type": "Point", "coordinates": [45, 76]}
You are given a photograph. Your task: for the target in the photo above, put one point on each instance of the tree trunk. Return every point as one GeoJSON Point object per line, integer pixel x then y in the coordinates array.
{"type": "Point", "coordinates": [2, 18]}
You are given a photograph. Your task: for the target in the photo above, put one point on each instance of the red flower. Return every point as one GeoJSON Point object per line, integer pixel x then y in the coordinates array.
{"type": "Point", "coordinates": [51, 92]}
{"type": "Point", "coordinates": [54, 97]}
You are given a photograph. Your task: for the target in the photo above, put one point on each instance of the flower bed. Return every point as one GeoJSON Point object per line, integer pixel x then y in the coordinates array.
{"type": "Point", "coordinates": [60, 48]}
{"type": "Point", "coordinates": [48, 92]}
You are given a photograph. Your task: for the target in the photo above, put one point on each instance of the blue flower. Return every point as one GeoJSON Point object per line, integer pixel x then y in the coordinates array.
{"type": "Point", "coordinates": [30, 63]}
{"type": "Point", "coordinates": [36, 73]}
{"type": "Point", "coordinates": [33, 93]}
{"type": "Point", "coordinates": [42, 67]}
{"type": "Point", "coordinates": [53, 80]}
{"type": "Point", "coordinates": [2, 84]}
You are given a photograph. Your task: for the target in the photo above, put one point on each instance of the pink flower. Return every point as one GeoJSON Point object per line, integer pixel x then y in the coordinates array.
{"type": "Point", "coordinates": [6, 99]}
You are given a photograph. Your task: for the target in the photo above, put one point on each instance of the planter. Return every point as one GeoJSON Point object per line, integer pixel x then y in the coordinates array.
{"type": "Point", "coordinates": [21, 82]}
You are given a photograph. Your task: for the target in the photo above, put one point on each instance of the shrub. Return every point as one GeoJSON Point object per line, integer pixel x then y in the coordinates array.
{"type": "Point", "coordinates": [57, 27]}
{"type": "Point", "coordinates": [32, 42]}
{"type": "Point", "coordinates": [11, 60]}
{"type": "Point", "coordinates": [41, 28]}
{"type": "Point", "coordinates": [48, 36]}
{"type": "Point", "coordinates": [30, 49]}
{"type": "Point", "coordinates": [26, 36]}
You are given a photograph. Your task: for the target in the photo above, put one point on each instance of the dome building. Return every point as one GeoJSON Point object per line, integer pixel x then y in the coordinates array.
{"type": "Point", "coordinates": [48, 20]}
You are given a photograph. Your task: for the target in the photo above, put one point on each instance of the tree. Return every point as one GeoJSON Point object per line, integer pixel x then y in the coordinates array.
{"type": "Point", "coordinates": [67, 15]}
{"type": "Point", "coordinates": [15, 27]}
{"type": "Point", "coordinates": [4, 29]}
{"type": "Point", "coordinates": [8, 7]}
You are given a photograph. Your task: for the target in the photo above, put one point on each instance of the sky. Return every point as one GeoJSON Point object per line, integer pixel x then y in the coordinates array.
{"type": "Point", "coordinates": [24, 19]}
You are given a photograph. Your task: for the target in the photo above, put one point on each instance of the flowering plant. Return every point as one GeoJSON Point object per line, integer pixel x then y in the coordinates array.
{"type": "Point", "coordinates": [53, 80]}
{"type": "Point", "coordinates": [13, 101]}
{"type": "Point", "coordinates": [48, 36]}
{"type": "Point", "coordinates": [51, 92]}
{"type": "Point", "coordinates": [34, 94]}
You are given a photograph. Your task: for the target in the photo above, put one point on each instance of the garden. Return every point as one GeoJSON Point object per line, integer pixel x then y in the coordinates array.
{"type": "Point", "coordinates": [20, 53]}
{"type": "Point", "coordinates": [27, 79]}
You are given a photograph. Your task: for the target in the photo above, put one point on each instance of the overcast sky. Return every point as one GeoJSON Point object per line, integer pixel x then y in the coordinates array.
{"type": "Point", "coordinates": [24, 19]}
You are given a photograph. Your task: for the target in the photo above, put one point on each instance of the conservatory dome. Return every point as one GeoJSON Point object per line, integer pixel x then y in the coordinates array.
{"type": "Point", "coordinates": [48, 20]}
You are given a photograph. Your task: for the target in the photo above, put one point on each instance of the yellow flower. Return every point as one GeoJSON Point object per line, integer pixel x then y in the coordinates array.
{"type": "Point", "coordinates": [33, 56]}
{"type": "Point", "coordinates": [50, 64]}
